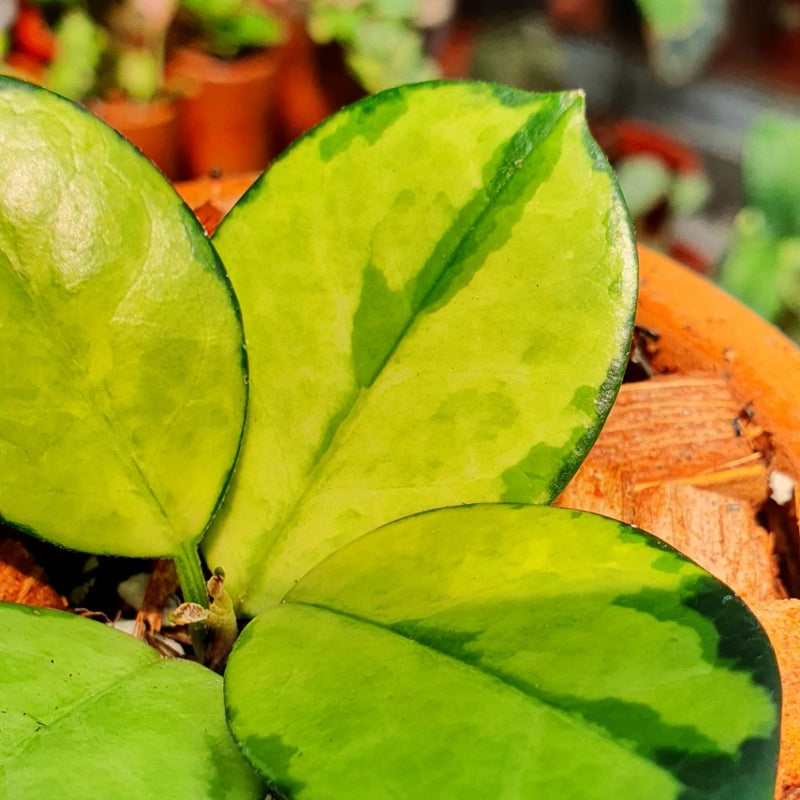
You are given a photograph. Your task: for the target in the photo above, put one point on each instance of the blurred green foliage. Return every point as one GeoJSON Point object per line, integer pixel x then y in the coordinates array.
{"type": "Point", "coordinates": [227, 27]}
{"type": "Point", "coordinates": [762, 267]}
{"type": "Point", "coordinates": [96, 48]}
{"type": "Point", "coordinates": [682, 34]}
{"type": "Point", "coordinates": [81, 44]}
{"type": "Point", "coordinates": [382, 45]}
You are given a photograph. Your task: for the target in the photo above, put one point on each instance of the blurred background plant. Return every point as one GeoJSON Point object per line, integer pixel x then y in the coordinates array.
{"type": "Point", "coordinates": [101, 48]}
{"type": "Point", "coordinates": [56, 43]}
{"type": "Point", "coordinates": [89, 48]}
{"type": "Point", "coordinates": [762, 267]}
{"type": "Point", "coordinates": [226, 28]}
{"type": "Point", "coordinates": [682, 35]}
{"type": "Point", "coordinates": [381, 40]}
{"type": "Point", "coordinates": [663, 181]}
{"type": "Point", "coordinates": [695, 102]}
{"type": "Point", "coordinates": [135, 32]}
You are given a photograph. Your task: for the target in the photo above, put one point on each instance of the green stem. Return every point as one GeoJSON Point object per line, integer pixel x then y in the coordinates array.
{"type": "Point", "coordinates": [195, 590]}
{"type": "Point", "coordinates": [190, 574]}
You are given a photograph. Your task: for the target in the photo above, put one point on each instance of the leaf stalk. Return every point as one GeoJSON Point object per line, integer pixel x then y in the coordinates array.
{"type": "Point", "coordinates": [193, 586]}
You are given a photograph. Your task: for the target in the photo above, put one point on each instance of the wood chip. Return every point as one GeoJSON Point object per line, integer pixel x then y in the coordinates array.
{"type": "Point", "coordinates": [717, 532]}
{"type": "Point", "coordinates": [673, 459]}
{"type": "Point", "coordinates": [209, 216]}
{"type": "Point", "coordinates": [781, 621]}
{"type": "Point", "coordinates": [684, 428]}
{"type": "Point", "coordinates": [22, 580]}
{"type": "Point", "coordinates": [605, 489]}
{"type": "Point", "coordinates": [162, 584]}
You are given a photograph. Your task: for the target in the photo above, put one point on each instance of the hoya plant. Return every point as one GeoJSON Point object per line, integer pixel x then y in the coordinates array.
{"type": "Point", "coordinates": [420, 327]}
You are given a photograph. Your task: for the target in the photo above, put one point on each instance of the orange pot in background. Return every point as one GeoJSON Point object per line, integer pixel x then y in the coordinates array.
{"type": "Point", "coordinates": [225, 110]}
{"type": "Point", "coordinates": [313, 83]}
{"type": "Point", "coordinates": [314, 80]}
{"type": "Point", "coordinates": [151, 126]}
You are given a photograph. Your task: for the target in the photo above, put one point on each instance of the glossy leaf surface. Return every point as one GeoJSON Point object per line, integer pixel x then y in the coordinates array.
{"type": "Point", "coordinates": [123, 377]}
{"type": "Point", "coordinates": [437, 285]}
{"type": "Point", "coordinates": [508, 652]}
{"type": "Point", "coordinates": [86, 711]}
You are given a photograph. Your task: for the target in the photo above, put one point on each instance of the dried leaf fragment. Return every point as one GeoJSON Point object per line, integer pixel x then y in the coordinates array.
{"type": "Point", "coordinates": [22, 580]}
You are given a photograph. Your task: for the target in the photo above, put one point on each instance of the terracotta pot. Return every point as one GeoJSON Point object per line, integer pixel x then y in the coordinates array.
{"type": "Point", "coordinates": [314, 81]}
{"type": "Point", "coordinates": [224, 110]}
{"type": "Point", "coordinates": [587, 17]}
{"type": "Point", "coordinates": [151, 126]}
{"type": "Point", "coordinates": [632, 137]}
{"type": "Point", "coordinates": [688, 453]}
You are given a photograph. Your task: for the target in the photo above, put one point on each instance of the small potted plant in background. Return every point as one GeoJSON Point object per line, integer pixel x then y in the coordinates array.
{"type": "Point", "coordinates": [55, 43]}
{"type": "Point", "coordinates": [342, 50]}
{"type": "Point", "coordinates": [223, 69]}
{"type": "Point", "coordinates": [382, 42]}
{"type": "Point", "coordinates": [107, 54]}
{"type": "Point", "coordinates": [129, 91]}
{"type": "Point", "coordinates": [681, 38]}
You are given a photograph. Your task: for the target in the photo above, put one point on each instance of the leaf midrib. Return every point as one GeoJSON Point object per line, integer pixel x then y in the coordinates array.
{"type": "Point", "coordinates": [327, 448]}
{"type": "Point", "coordinates": [520, 687]}
{"type": "Point", "coordinates": [117, 681]}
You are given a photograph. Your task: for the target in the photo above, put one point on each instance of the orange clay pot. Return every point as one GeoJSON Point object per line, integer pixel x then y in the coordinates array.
{"type": "Point", "coordinates": [314, 80]}
{"type": "Point", "coordinates": [225, 110]}
{"type": "Point", "coordinates": [313, 83]}
{"type": "Point", "coordinates": [151, 126]}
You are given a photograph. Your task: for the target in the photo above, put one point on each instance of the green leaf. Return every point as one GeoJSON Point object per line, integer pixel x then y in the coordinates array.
{"type": "Point", "coordinates": [770, 160]}
{"type": "Point", "coordinates": [123, 369]}
{"type": "Point", "coordinates": [438, 285]}
{"type": "Point", "coordinates": [508, 652]}
{"type": "Point", "coordinates": [109, 718]}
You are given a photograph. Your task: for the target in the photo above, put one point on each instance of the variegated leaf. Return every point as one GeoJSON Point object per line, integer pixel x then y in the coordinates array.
{"type": "Point", "coordinates": [438, 286]}
{"type": "Point", "coordinates": [508, 652]}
